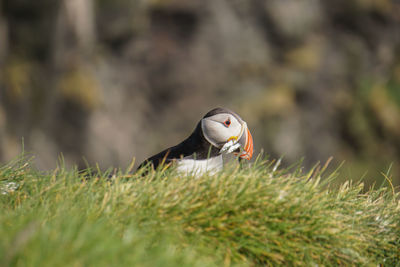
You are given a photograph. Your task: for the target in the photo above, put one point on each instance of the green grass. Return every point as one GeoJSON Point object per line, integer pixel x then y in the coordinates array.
{"type": "Point", "coordinates": [244, 216]}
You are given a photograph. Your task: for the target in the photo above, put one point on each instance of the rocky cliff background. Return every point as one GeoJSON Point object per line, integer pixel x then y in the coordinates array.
{"type": "Point", "coordinates": [109, 80]}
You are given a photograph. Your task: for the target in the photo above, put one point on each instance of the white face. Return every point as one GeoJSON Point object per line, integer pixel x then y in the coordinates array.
{"type": "Point", "coordinates": [220, 128]}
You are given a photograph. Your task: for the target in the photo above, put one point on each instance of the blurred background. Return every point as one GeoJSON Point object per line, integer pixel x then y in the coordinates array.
{"type": "Point", "coordinates": [109, 80]}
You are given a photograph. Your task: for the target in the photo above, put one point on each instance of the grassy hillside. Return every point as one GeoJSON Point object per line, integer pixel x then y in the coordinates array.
{"type": "Point", "coordinates": [244, 216]}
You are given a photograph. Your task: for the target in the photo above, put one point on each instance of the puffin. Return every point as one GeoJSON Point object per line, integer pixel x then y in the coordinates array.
{"type": "Point", "coordinates": [220, 131]}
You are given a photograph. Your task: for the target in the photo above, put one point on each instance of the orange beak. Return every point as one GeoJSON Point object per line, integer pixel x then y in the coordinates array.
{"type": "Point", "coordinates": [247, 144]}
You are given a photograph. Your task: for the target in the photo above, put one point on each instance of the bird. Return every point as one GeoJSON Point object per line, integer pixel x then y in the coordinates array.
{"type": "Point", "coordinates": [220, 131]}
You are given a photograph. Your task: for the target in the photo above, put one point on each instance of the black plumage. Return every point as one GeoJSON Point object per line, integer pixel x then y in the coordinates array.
{"type": "Point", "coordinates": [195, 146]}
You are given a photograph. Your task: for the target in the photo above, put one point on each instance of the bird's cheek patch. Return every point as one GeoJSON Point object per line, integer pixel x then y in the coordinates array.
{"type": "Point", "coordinates": [210, 131]}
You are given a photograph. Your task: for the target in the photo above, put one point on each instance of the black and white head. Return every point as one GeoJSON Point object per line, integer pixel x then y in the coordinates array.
{"type": "Point", "coordinates": [227, 131]}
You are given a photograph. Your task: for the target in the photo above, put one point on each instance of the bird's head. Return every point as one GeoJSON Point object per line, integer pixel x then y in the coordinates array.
{"type": "Point", "coordinates": [225, 129]}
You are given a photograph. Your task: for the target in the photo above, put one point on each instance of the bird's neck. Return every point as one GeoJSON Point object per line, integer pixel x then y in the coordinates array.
{"type": "Point", "coordinates": [197, 147]}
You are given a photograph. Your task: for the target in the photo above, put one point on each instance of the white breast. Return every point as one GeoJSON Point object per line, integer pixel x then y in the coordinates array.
{"type": "Point", "coordinates": [199, 167]}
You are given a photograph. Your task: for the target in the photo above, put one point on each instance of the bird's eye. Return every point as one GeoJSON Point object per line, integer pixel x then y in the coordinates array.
{"type": "Point", "coordinates": [227, 122]}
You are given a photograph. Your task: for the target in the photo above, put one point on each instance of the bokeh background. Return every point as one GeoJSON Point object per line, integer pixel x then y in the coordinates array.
{"type": "Point", "coordinates": [109, 80]}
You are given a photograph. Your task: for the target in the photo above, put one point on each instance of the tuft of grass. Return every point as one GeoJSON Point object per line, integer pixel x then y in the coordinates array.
{"type": "Point", "coordinates": [258, 215]}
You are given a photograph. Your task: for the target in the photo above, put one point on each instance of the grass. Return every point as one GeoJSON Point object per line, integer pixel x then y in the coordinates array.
{"type": "Point", "coordinates": [258, 215]}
